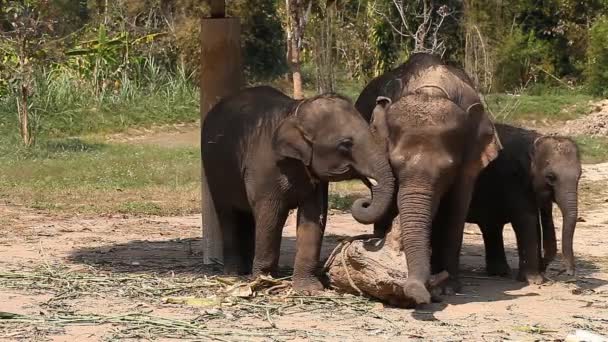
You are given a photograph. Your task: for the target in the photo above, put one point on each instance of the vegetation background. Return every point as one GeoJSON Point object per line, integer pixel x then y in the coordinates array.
{"type": "Point", "coordinates": [71, 70]}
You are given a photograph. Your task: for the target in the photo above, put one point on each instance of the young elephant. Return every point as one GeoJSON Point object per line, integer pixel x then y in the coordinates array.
{"type": "Point", "coordinates": [531, 172]}
{"type": "Point", "coordinates": [265, 153]}
{"type": "Point", "coordinates": [439, 138]}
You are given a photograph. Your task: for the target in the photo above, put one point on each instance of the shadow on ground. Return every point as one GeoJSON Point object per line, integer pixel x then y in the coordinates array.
{"type": "Point", "coordinates": [183, 256]}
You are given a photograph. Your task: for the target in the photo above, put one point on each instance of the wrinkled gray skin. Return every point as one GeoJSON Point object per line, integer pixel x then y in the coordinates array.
{"type": "Point", "coordinates": [439, 138]}
{"type": "Point", "coordinates": [531, 172]}
{"type": "Point", "coordinates": [265, 153]}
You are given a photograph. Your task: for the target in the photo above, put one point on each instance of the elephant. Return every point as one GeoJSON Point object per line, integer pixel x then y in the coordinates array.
{"type": "Point", "coordinates": [531, 172]}
{"type": "Point", "coordinates": [265, 153]}
{"type": "Point", "coordinates": [439, 137]}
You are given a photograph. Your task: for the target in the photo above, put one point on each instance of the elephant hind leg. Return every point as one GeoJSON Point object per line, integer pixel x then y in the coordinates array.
{"type": "Point", "coordinates": [496, 259]}
{"type": "Point", "coordinates": [246, 226]}
{"type": "Point", "coordinates": [232, 237]}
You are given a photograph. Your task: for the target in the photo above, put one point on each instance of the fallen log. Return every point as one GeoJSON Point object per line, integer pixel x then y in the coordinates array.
{"type": "Point", "coordinates": [373, 267]}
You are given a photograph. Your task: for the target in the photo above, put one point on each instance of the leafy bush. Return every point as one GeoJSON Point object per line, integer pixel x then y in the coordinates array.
{"type": "Point", "coordinates": [597, 55]}
{"type": "Point", "coordinates": [520, 59]}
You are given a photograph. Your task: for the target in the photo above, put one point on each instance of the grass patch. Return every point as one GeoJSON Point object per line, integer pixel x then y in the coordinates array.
{"type": "Point", "coordinates": [552, 106]}
{"type": "Point", "coordinates": [593, 149]}
{"type": "Point", "coordinates": [92, 177]}
{"type": "Point", "coordinates": [343, 194]}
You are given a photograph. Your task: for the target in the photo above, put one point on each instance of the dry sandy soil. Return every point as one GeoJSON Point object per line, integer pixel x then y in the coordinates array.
{"type": "Point", "coordinates": [101, 278]}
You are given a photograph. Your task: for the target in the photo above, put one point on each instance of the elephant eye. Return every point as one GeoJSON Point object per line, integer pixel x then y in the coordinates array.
{"type": "Point", "coordinates": [345, 145]}
{"type": "Point", "coordinates": [551, 177]}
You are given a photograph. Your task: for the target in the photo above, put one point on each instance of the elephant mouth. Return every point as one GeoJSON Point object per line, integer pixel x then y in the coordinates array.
{"type": "Point", "coordinates": [341, 174]}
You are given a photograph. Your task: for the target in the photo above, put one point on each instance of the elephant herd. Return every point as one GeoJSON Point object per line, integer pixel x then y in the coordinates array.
{"type": "Point", "coordinates": [420, 139]}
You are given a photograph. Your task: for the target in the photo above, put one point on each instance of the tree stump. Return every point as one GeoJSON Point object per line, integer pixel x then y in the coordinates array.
{"type": "Point", "coordinates": [374, 267]}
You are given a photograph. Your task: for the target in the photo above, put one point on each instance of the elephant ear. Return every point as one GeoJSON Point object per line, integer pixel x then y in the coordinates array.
{"type": "Point", "coordinates": [392, 89]}
{"type": "Point", "coordinates": [378, 124]}
{"type": "Point", "coordinates": [289, 141]}
{"type": "Point", "coordinates": [486, 136]}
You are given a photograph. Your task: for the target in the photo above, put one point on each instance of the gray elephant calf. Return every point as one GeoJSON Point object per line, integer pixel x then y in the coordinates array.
{"type": "Point", "coordinates": [531, 172]}
{"type": "Point", "coordinates": [265, 153]}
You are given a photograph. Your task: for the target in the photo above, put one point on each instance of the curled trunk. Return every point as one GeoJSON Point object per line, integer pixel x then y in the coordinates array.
{"type": "Point", "coordinates": [366, 210]}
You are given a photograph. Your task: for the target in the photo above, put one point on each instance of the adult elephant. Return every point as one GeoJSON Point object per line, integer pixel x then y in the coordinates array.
{"type": "Point", "coordinates": [530, 174]}
{"type": "Point", "coordinates": [265, 153]}
{"type": "Point", "coordinates": [439, 138]}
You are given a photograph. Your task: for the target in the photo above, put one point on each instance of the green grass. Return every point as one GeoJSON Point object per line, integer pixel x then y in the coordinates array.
{"type": "Point", "coordinates": [64, 104]}
{"type": "Point", "coordinates": [92, 177]}
{"type": "Point", "coordinates": [558, 106]}
{"type": "Point", "coordinates": [593, 149]}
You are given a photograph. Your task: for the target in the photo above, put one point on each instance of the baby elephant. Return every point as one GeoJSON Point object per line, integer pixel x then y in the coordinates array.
{"type": "Point", "coordinates": [531, 172]}
{"type": "Point", "coordinates": [265, 153]}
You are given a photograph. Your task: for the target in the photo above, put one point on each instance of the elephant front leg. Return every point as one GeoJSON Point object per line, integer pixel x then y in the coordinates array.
{"type": "Point", "coordinates": [548, 229]}
{"type": "Point", "coordinates": [527, 233]}
{"type": "Point", "coordinates": [270, 217]}
{"type": "Point", "coordinates": [312, 216]}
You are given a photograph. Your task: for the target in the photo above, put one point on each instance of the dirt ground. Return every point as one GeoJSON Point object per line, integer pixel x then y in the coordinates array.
{"type": "Point", "coordinates": [71, 278]}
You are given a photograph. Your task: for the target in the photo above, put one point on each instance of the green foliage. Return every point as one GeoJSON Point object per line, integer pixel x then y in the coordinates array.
{"type": "Point", "coordinates": [263, 39]}
{"type": "Point", "coordinates": [386, 49]}
{"type": "Point", "coordinates": [597, 58]}
{"type": "Point", "coordinates": [66, 104]}
{"type": "Point", "coordinates": [520, 59]}
{"type": "Point", "coordinates": [553, 105]}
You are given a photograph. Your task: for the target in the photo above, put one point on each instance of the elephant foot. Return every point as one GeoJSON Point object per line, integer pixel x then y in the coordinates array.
{"type": "Point", "coordinates": [451, 287]}
{"type": "Point", "coordinates": [550, 250]}
{"type": "Point", "coordinates": [532, 278]}
{"type": "Point", "coordinates": [233, 267]}
{"type": "Point", "coordinates": [259, 269]}
{"type": "Point", "coordinates": [308, 286]}
{"type": "Point", "coordinates": [416, 290]}
{"type": "Point", "coordinates": [570, 271]}
{"type": "Point", "coordinates": [500, 269]}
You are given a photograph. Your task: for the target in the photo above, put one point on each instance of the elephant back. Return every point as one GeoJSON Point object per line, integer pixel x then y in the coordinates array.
{"type": "Point", "coordinates": [444, 81]}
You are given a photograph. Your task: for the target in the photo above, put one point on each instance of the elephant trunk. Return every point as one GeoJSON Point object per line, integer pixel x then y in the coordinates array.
{"type": "Point", "coordinates": [365, 210]}
{"type": "Point", "coordinates": [415, 217]}
{"type": "Point", "coordinates": [567, 201]}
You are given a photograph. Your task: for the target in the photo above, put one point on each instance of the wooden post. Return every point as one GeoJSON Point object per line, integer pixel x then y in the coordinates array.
{"type": "Point", "coordinates": [221, 75]}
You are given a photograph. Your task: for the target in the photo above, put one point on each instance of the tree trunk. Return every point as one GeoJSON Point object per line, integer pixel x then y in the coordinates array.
{"type": "Point", "coordinates": [295, 32]}
{"type": "Point", "coordinates": [373, 267]}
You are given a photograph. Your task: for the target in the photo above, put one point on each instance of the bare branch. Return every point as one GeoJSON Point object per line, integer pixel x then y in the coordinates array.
{"type": "Point", "coordinates": [429, 20]}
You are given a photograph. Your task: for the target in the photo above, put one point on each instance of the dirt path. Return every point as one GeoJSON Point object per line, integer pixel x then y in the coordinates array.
{"type": "Point", "coordinates": [73, 266]}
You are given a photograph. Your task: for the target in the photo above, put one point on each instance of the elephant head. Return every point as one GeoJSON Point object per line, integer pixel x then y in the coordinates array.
{"type": "Point", "coordinates": [432, 143]}
{"type": "Point", "coordinates": [556, 170]}
{"type": "Point", "coordinates": [329, 136]}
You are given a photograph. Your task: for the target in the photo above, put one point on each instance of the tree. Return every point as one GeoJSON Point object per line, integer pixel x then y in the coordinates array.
{"type": "Point", "coordinates": [420, 22]}
{"type": "Point", "coordinates": [22, 49]}
{"type": "Point", "coordinates": [297, 14]}
{"type": "Point", "coordinates": [597, 58]}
